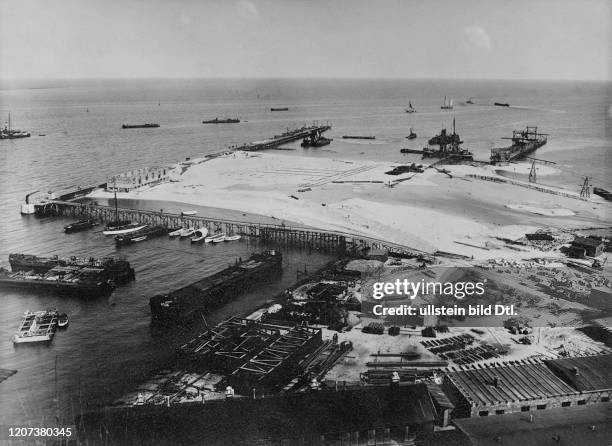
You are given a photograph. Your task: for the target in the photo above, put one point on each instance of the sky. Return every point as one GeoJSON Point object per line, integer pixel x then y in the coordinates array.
{"type": "Point", "coordinates": [457, 39]}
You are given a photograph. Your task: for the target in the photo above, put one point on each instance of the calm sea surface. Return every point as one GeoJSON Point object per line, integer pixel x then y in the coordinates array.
{"type": "Point", "coordinates": [109, 345]}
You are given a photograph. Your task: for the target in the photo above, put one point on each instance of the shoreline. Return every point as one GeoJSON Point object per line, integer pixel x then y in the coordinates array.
{"type": "Point", "coordinates": [346, 196]}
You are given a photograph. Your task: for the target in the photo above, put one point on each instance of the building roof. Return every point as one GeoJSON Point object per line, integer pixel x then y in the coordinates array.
{"type": "Point", "coordinates": [572, 425]}
{"type": "Point", "coordinates": [587, 241]}
{"type": "Point", "coordinates": [514, 383]}
{"type": "Point", "coordinates": [584, 373]}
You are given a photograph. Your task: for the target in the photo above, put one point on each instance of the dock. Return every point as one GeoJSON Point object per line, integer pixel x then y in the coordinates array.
{"type": "Point", "coordinates": [284, 138]}
{"type": "Point", "coordinates": [273, 233]}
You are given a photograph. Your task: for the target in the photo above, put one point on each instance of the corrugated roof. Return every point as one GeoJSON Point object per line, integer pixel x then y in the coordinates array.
{"type": "Point", "coordinates": [514, 383]}
{"type": "Point", "coordinates": [584, 373]}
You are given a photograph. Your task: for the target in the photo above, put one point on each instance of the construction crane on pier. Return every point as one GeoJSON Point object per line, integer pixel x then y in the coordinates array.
{"type": "Point", "coordinates": [532, 172]}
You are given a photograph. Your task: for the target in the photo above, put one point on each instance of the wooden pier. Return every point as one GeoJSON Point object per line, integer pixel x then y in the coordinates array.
{"type": "Point", "coordinates": [267, 232]}
{"type": "Point", "coordinates": [288, 136]}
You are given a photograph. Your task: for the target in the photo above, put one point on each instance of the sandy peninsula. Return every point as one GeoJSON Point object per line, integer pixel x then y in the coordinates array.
{"type": "Point", "coordinates": [453, 208]}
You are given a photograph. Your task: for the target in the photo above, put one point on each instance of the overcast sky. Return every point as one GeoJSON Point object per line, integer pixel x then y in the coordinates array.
{"type": "Point", "coordinates": [520, 39]}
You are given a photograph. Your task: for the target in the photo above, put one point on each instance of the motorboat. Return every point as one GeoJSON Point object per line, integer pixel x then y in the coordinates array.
{"type": "Point", "coordinates": [216, 238]}
{"type": "Point", "coordinates": [199, 236]}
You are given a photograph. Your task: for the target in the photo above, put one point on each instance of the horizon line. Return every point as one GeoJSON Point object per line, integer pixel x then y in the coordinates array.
{"type": "Point", "coordinates": [34, 79]}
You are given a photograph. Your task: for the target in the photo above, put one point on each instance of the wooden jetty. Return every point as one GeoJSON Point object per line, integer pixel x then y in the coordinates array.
{"type": "Point", "coordinates": [267, 232]}
{"type": "Point", "coordinates": [288, 136]}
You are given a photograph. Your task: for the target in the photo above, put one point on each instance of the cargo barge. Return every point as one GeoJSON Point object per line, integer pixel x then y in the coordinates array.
{"type": "Point", "coordinates": [118, 270]}
{"type": "Point", "coordinates": [141, 235]}
{"type": "Point", "coordinates": [523, 143]}
{"type": "Point", "coordinates": [66, 280]}
{"type": "Point", "coordinates": [279, 109]}
{"type": "Point", "coordinates": [357, 137]}
{"type": "Point", "coordinates": [139, 126]}
{"type": "Point", "coordinates": [39, 326]}
{"type": "Point", "coordinates": [188, 303]}
{"type": "Point", "coordinates": [222, 121]}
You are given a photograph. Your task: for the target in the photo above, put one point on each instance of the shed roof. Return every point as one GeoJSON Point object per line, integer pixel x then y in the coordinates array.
{"type": "Point", "coordinates": [584, 373]}
{"type": "Point", "coordinates": [514, 383]}
{"type": "Point", "coordinates": [586, 241]}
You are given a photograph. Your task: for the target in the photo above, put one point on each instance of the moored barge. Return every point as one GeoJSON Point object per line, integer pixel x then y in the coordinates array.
{"type": "Point", "coordinates": [523, 143]}
{"type": "Point", "coordinates": [80, 225]}
{"type": "Point", "coordinates": [188, 303]}
{"type": "Point", "coordinates": [118, 270]}
{"type": "Point", "coordinates": [67, 280]}
{"type": "Point", "coordinates": [39, 326]}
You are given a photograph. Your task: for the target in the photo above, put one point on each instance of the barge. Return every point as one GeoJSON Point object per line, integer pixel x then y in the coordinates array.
{"type": "Point", "coordinates": [80, 225]}
{"type": "Point", "coordinates": [190, 302]}
{"type": "Point", "coordinates": [523, 143]}
{"type": "Point", "coordinates": [139, 126]}
{"type": "Point", "coordinates": [66, 280]}
{"type": "Point", "coordinates": [315, 140]}
{"type": "Point", "coordinates": [141, 235]}
{"type": "Point", "coordinates": [279, 109]}
{"type": "Point", "coordinates": [222, 121]}
{"type": "Point", "coordinates": [357, 137]}
{"type": "Point", "coordinates": [118, 270]}
{"type": "Point", "coordinates": [37, 326]}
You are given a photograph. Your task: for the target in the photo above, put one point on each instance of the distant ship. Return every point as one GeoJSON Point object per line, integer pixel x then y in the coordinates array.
{"type": "Point", "coordinates": [412, 134]}
{"type": "Point", "coordinates": [9, 133]}
{"type": "Point", "coordinates": [501, 104]}
{"type": "Point", "coordinates": [222, 121]}
{"type": "Point", "coordinates": [447, 105]}
{"type": "Point", "coordinates": [523, 143]}
{"type": "Point", "coordinates": [410, 108]}
{"type": "Point", "coordinates": [139, 126]}
{"type": "Point", "coordinates": [279, 109]}
{"type": "Point", "coordinates": [469, 101]}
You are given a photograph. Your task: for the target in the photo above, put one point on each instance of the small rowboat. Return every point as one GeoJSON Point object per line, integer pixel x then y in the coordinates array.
{"type": "Point", "coordinates": [199, 236]}
{"type": "Point", "coordinates": [189, 212]}
{"type": "Point", "coordinates": [62, 321]}
{"type": "Point", "coordinates": [187, 232]}
{"type": "Point", "coordinates": [215, 238]}
{"type": "Point", "coordinates": [231, 238]}
{"type": "Point", "coordinates": [176, 232]}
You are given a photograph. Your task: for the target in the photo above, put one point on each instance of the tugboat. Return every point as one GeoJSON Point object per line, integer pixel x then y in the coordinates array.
{"type": "Point", "coordinates": [8, 133]}
{"type": "Point", "coordinates": [410, 108]}
{"type": "Point", "coordinates": [447, 105]}
{"type": "Point", "coordinates": [222, 121]}
{"type": "Point", "coordinates": [412, 134]}
{"type": "Point", "coordinates": [449, 146]}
